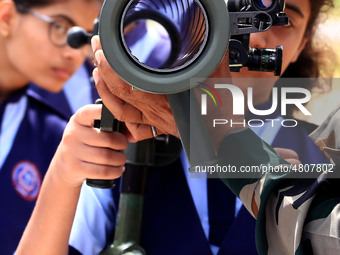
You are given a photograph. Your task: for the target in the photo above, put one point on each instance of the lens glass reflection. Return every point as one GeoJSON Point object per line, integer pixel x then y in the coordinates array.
{"type": "Point", "coordinates": [148, 42]}
{"type": "Point", "coordinates": [264, 3]}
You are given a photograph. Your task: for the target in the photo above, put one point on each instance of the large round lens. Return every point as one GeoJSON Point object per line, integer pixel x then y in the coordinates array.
{"type": "Point", "coordinates": [165, 36]}
{"type": "Point", "coordinates": [264, 3]}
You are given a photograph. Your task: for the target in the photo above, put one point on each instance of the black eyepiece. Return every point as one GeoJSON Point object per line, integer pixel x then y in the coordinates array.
{"type": "Point", "coordinates": [78, 37]}
{"type": "Point", "coordinates": [266, 60]}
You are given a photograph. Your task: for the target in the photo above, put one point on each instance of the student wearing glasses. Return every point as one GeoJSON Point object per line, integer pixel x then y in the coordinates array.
{"type": "Point", "coordinates": [171, 223]}
{"type": "Point", "coordinates": [33, 50]}
{"type": "Point", "coordinates": [78, 90]}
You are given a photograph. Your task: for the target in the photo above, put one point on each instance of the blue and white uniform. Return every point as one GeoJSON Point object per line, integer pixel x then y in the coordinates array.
{"type": "Point", "coordinates": [29, 135]}
{"type": "Point", "coordinates": [32, 124]}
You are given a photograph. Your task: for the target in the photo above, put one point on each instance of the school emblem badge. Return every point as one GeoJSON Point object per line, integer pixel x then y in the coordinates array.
{"type": "Point", "coordinates": [26, 180]}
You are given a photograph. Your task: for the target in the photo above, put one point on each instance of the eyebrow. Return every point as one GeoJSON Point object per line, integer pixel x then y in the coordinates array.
{"type": "Point", "coordinates": [295, 9]}
{"type": "Point", "coordinates": [68, 19]}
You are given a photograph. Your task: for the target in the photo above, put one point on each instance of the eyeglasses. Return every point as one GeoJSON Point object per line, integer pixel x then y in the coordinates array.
{"type": "Point", "coordinates": [58, 26]}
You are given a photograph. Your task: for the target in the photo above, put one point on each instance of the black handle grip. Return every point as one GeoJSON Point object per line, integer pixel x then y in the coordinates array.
{"type": "Point", "coordinates": [107, 123]}
{"type": "Point", "coordinates": [102, 184]}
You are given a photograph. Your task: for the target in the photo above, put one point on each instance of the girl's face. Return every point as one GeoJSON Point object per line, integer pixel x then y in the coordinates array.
{"type": "Point", "coordinates": [291, 37]}
{"type": "Point", "coordinates": [30, 52]}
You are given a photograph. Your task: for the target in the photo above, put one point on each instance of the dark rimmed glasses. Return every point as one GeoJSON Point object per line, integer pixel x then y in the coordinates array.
{"type": "Point", "coordinates": [58, 26]}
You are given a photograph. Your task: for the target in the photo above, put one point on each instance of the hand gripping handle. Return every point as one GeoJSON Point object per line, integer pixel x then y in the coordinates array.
{"type": "Point", "coordinates": [107, 123]}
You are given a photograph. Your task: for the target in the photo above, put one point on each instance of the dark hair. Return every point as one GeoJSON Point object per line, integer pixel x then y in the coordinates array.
{"type": "Point", "coordinates": [39, 3]}
{"type": "Point", "coordinates": [35, 3]}
{"type": "Point", "coordinates": [311, 58]}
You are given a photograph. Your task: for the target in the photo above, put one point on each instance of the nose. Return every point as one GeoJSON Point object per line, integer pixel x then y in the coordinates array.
{"type": "Point", "coordinates": [72, 54]}
{"type": "Point", "coordinates": [258, 40]}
